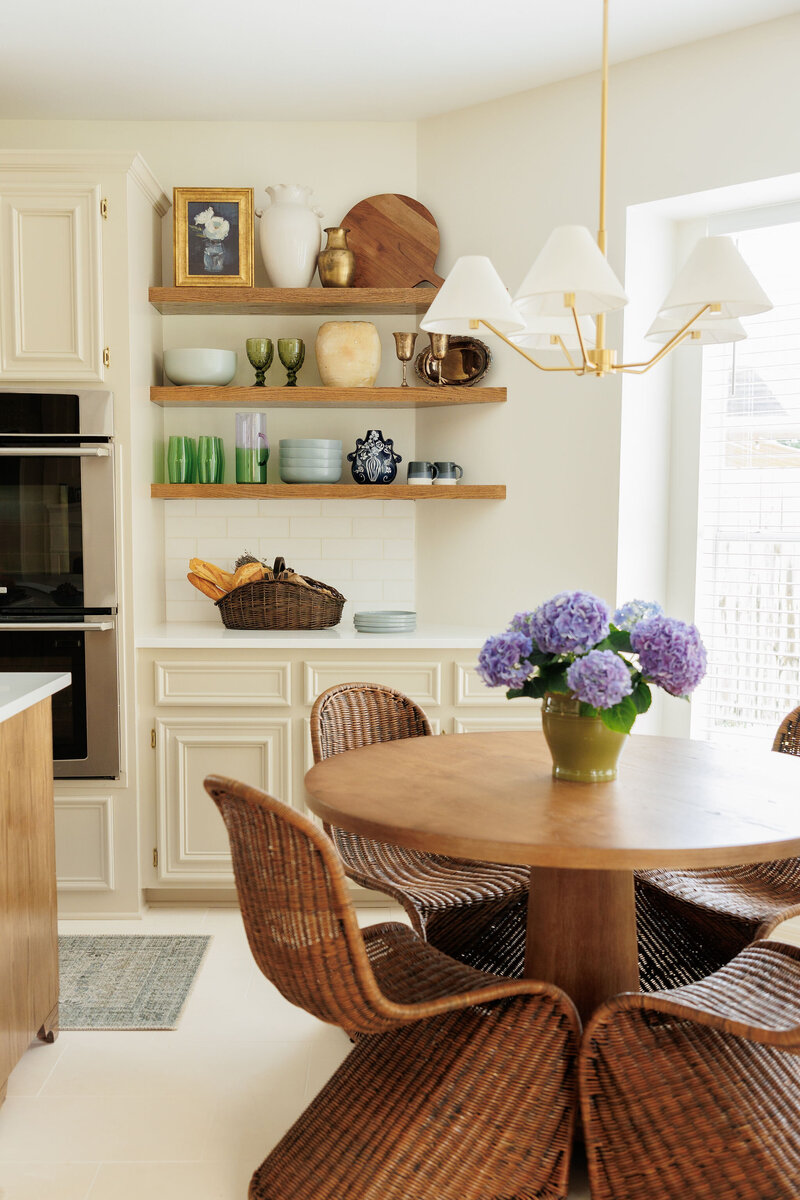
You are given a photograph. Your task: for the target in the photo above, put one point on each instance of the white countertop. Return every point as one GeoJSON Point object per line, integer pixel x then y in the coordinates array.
{"type": "Point", "coordinates": [199, 635]}
{"type": "Point", "coordinates": [22, 689]}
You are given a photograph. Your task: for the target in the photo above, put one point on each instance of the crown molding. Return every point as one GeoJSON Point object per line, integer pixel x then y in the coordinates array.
{"type": "Point", "coordinates": [71, 161]}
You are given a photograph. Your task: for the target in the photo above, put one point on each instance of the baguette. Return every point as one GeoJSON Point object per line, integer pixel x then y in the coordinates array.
{"type": "Point", "coordinates": [206, 570]}
{"type": "Point", "coordinates": [206, 586]}
{"type": "Point", "coordinates": [249, 572]}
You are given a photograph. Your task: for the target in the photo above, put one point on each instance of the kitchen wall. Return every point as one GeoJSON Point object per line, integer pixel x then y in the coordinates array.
{"type": "Point", "coordinates": [365, 548]}
{"type": "Point", "coordinates": [498, 177]}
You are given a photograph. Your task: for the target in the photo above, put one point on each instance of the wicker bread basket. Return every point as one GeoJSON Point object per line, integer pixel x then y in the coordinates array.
{"type": "Point", "coordinates": [281, 604]}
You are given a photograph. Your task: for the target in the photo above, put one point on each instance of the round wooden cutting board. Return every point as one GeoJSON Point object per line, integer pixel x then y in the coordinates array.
{"type": "Point", "coordinates": [395, 240]}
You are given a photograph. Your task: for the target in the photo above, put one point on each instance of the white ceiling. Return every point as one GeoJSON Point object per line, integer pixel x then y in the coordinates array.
{"type": "Point", "coordinates": [297, 60]}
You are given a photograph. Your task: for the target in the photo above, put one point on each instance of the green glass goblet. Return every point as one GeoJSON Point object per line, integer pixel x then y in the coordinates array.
{"type": "Point", "coordinates": [292, 353]}
{"type": "Point", "coordinates": [260, 352]}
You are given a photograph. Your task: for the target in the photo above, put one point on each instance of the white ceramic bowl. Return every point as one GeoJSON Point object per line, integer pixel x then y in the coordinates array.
{"type": "Point", "coordinates": [310, 444]}
{"type": "Point", "coordinates": [198, 368]}
{"type": "Point", "coordinates": [310, 460]}
{"type": "Point", "coordinates": [331, 474]}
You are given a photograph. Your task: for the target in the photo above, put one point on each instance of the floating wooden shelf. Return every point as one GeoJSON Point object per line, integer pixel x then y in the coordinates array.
{"type": "Point", "coordinates": [218, 301]}
{"type": "Point", "coordinates": [324, 397]}
{"type": "Point", "coordinates": [326, 491]}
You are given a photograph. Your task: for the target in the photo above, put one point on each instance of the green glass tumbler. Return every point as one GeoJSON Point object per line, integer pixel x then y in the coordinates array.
{"type": "Point", "coordinates": [219, 475]}
{"type": "Point", "coordinates": [181, 460]}
{"type": "Point", "coordinates": [208, 454]}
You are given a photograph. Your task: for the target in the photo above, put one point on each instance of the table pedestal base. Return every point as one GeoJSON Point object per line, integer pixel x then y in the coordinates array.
{"type": "Point", "coordinates": [582, 934]}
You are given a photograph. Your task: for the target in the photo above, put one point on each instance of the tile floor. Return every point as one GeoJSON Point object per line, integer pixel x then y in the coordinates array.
{"type": "Point", "coordinates": [184, 1115]}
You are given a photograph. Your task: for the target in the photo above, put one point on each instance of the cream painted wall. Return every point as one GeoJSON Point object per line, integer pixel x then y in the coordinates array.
{"type": "Point", "coordinates": [498, 177]}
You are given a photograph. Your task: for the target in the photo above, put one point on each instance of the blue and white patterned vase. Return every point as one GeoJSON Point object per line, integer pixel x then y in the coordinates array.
{"type": "Point", "coordinates": [374, 459]}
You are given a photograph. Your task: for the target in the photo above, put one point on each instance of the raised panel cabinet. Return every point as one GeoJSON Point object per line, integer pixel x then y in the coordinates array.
{"type": "Point", "coordinates": [192, 842]}
{"type": "Point", "coordinates": [50, 281]}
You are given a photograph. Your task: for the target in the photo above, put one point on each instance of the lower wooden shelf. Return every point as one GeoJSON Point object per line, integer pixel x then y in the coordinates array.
{"type": "Point", "coordinates": [326, 491]}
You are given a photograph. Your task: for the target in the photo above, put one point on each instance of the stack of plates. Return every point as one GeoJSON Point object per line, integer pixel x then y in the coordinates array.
{"type": "Point", "coordinates": [310, 460]}
{"type": "Point", "coordinates": [385, 622]}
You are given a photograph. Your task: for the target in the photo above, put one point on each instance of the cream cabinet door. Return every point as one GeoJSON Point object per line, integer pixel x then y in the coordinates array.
{"type": "Point", "coordinates": [51, 325]}
{"type": "Point", "coordinates": [192, 841]}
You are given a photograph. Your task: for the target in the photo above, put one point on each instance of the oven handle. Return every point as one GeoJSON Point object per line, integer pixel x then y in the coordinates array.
{"type": "Point", "coordinates": [57, 626]}
{"type": "Point", "coordinates": [54, 452]}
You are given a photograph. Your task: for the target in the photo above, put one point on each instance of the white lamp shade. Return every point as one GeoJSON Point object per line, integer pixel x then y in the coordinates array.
{"type": "Point", "coordinates": [713, 331]}
{"type": "Point", "coordinates": [473, 291]}
{"type": "Point", "coordinates": [539, 330]}
{"type": "Point", "coordinates": [570, 261]}
{"type": "Point", "coordinates": [715, 273]}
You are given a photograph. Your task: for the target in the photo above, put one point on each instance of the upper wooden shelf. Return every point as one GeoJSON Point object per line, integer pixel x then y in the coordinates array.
{"type": "Point", "coordinates": [220, 301]}
{"type": "Point", "coordinates": [324, 397]}
{"type": "Point", "coordinates": [326, 491]}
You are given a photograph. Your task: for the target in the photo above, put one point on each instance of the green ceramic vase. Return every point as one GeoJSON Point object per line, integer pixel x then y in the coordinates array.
{"type": "Point", "coordinates": [583, 749]}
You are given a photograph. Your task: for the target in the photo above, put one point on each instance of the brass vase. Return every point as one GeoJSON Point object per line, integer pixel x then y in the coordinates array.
{"type": "Point", "coordinates": [583, 749]}
{"type": "Point", "coordinates": [337, 264]}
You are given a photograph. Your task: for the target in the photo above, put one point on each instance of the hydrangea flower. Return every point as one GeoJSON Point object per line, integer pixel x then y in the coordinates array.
{"type": "Point", "coordinates": [671, 653]}
{"type": "Point", "coordinates": [634, 611]}
{"type": "Point", "coordinates": [600, 678]}
{"type": "Point", "coordinates": [521, 623]}
{"type": "Point", "coordinates": [570, 623]}
{"type": "Point", "coordinates": [499, 660]}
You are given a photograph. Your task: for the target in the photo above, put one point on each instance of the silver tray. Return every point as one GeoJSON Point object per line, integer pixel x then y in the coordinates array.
{"type": "Point", "coordinates": [466, 362]}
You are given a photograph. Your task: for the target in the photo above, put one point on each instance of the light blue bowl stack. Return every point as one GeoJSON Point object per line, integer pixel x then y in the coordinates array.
{"type": "Point", "coordinates": [310, 460]}
{"type": "Point", "coordinates": [385, 622]}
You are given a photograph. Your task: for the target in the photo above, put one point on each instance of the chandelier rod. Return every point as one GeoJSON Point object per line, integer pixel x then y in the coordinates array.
{"type": "Point", "coordinates": [600, 322]}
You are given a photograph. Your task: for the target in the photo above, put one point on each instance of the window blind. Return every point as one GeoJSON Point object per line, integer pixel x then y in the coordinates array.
{"type": "Point", "coordinates": [748, 576]}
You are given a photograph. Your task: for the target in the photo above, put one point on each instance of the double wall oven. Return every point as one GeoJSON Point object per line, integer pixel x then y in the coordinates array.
{"type": "Point", "coordinates": [58, 592]}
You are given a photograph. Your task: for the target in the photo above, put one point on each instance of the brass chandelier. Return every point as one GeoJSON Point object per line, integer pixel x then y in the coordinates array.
{"type": "Point", "coordinates": [571, 282]}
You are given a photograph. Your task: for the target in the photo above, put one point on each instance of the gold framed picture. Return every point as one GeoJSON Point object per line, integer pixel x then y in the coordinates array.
{"type": "Point", "coordinates": [213, 237]}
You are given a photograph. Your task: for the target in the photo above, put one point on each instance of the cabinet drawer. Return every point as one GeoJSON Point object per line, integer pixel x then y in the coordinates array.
{"type": "Point", "coordinates": [422, 681]}
{"type": "Point", "coordinates": [191, 684]}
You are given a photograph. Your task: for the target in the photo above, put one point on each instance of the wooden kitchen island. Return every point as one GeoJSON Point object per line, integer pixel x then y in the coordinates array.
{"type": "Point", "coordinates": [28, 929]}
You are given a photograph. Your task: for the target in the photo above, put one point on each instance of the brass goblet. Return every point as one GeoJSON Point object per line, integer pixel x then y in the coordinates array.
{"type": "Point", "coordinates": [259, 353]}
{"type": "Point", "coordinates": [404, 348]}
{"type": "Point", "coordinates": [292, 353]}
{"type": "Point", "coordinates": [440, 344]}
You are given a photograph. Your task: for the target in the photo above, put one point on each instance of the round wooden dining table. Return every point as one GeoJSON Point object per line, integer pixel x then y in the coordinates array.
{"type": "Point", "coordinates": [491, 796]}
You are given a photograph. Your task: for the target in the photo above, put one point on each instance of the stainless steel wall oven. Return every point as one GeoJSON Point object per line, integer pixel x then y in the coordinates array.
{"type": "Point", "coordinates": [58, 593]}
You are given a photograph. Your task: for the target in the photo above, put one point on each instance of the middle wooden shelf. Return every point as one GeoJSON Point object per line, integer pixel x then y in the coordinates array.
{"type": "Point", "coordinates": [324, 397]}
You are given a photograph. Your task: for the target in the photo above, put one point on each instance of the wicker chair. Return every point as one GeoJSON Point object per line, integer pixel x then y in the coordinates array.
{"type": "Point", "coordinates": [465, 1088]}
{"type": "Point", "coordinates": [712, 914]}
{"type": "Point", "coordinates": [473, 911]}
{"type": "Point", "coordinates": [694, 1094]}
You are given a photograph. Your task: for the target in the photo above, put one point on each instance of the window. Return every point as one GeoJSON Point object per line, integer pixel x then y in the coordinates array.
{"type": "Point", "coordinates": [748, 570]}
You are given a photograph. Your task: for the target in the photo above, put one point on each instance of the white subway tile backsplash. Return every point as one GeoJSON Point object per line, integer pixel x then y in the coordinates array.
{"type": "Point", "coordinates": [228, 508]}
{"type": "Point", "coordinates": [245, 527]}
{"type": "Point", "coordinates": [352, 508]}
{"type": "Point", "coordinates": [381, 568]}
{"type": "Point", "coordinates": [383, 527]}
{"type": "Point", "coordinates": [398, 548]}
{"type": "Point", "coordinates": [351, 548]}
{"type": "Point", "coordinates": [192, 527]}
{"type": "Point", "coordinates": [290, 508]}
{"type": "Point", "coordinates": [335, 527]}
{"type": "Point", "coordinates": [364, 548]}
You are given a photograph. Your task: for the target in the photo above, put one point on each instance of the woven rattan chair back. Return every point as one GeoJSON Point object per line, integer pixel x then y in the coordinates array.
{"type": "Point", "coordinates": [351, 715]}
{"type": "Point", "coordinates": [299, 920]}
{"type": "Point", "coordinates": [787, 739]}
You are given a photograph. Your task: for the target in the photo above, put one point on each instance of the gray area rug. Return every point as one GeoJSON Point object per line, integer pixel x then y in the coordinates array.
{"type": "Point", "coordinates": [115, 981]}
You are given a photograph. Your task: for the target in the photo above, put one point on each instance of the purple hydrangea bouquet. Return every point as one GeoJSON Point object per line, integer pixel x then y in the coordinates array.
{"type": "Point", "coordinates": [571, 645]}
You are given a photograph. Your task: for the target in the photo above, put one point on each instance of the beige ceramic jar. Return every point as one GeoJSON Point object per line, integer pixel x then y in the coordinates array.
{"type": "Point", "coordinates": [348, 353]}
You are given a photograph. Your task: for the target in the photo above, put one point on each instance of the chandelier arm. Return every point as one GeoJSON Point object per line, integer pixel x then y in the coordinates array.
{"type": "Point", "coordinates": [576, 370]}
{"type": "Point", "coordinates": [584, 355]}
{"type": "Point", "coordinates": [655, 361]}
{"type": "Point", "coordinates": [566, 353]}
{"type": "Point", "coordinates": [665, 349]}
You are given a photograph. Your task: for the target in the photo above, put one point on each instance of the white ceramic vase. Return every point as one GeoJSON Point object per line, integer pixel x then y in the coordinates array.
{"type": "Point", "coordinates": [290, 235]}
{"type": "Point", "coordinates": [348, 353]}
